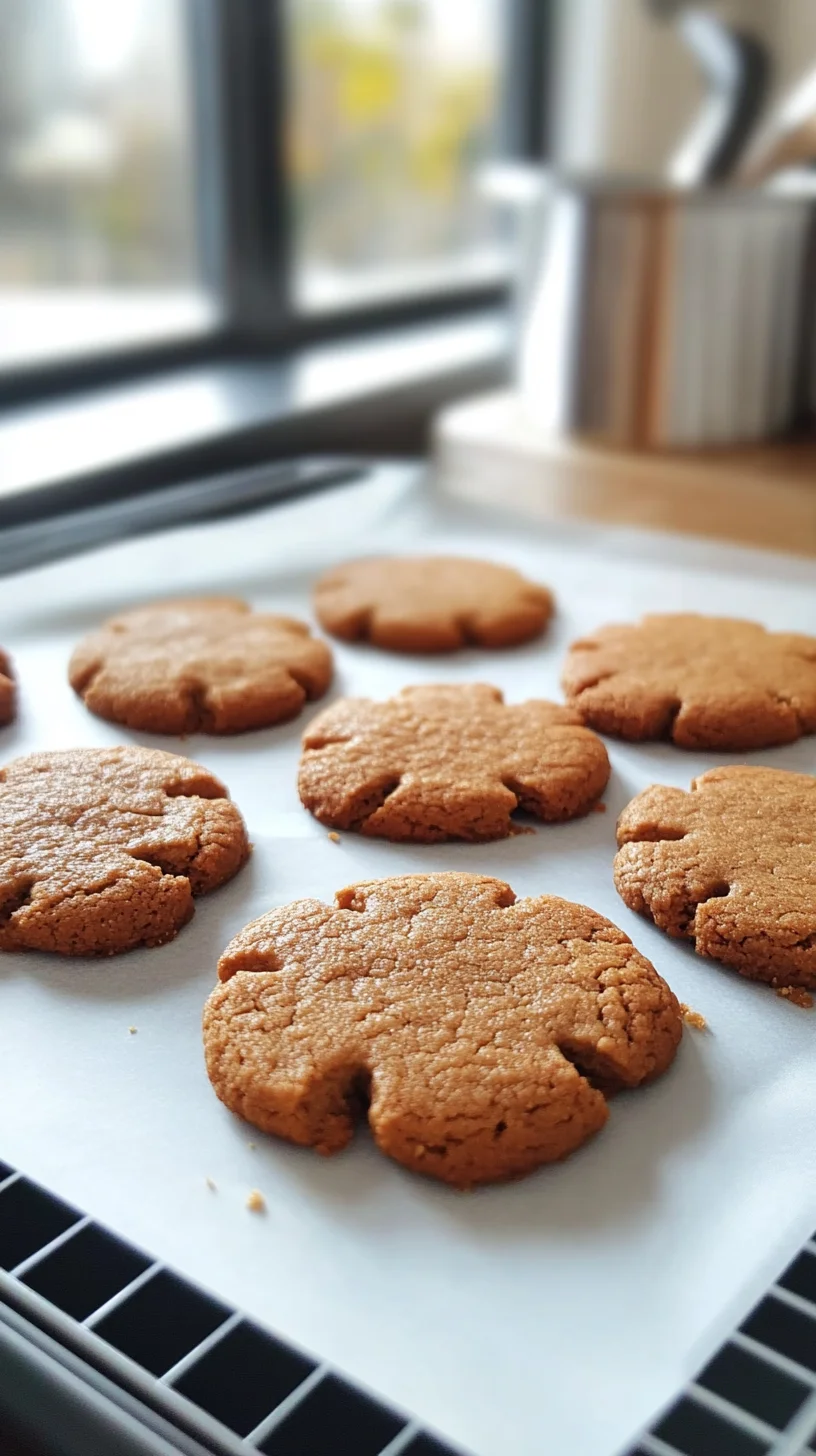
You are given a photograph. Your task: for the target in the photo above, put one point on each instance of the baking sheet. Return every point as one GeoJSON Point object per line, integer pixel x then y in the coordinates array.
{"type": "Point", "coordinates": [553, 1315]}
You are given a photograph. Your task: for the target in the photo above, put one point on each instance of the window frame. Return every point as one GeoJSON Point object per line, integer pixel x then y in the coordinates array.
{"type": "Point", "coordinates": [237, 79]}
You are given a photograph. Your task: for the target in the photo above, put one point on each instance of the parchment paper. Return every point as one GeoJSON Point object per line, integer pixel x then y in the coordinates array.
{"type": "Point", "coordinates": [554, 1315]}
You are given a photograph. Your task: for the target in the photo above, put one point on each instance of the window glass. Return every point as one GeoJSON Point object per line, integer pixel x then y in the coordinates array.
{"type": "Point", "coordinates": [392, 112]}
{"type": "Point", "coordinates": [97, 193]}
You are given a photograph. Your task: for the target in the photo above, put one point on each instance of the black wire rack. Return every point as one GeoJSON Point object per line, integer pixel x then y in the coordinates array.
{"type": "Point", "coordinates": [190, 1365]}
{"type": "Point", "coordinates": [205, 1368]}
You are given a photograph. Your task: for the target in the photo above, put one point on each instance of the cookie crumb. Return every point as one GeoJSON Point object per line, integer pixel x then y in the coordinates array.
{"type": "Point", "coordinates": [797, 994]}
{"type": "Point", "coordinates": [256, 1203]}
{"type": "Point", "coordinates": [693, 1018]}
{"type": "Point", "coordinates": [420, 1150]}
{"type": "Point", "coordinates": [334, 836]}
{"type": "Point", "coordinates": [252, 1146]}
{"type": "Point", "coordinates": [133, 1030]}
{"type": "Point", "coordinates": [599, 808]}
{"type": "Point", "coordinates": [213, 1187]}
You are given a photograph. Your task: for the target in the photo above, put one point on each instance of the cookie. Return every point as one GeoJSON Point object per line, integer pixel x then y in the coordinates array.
{"type": "Point", "coordinates": [477, 1032]}
{"type": "Point", "coordinates": [729, 865]}
{"type": "Point", "coordinates": [703, 682]}
{"type": "Point", "coordinates": [438, 763]}
{"type": "Point", "coordinates": [8, 690]}
{"type": "Point", "coordinates": [208, 665]}
{"type": "Point", "coordinates": [431, 603]}
{"type": "Point", "coordinates": [103, 849]}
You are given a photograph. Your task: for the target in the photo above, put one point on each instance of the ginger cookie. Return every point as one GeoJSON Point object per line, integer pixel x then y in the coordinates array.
{"type": "Point", "coordinates": [208, 665]}
{"type": "Point", "coordinates": [8, 690]}
{"type": "Point", "coordinates": [703, 682]}
{"type": "Point", "coordinates": [103, 849]}
{"type": "Point", "coordinates": [431, 603]}
{"type": "Point", "coordinates": [730, 865]}
{"type": "Point", "coordinates": [437, 763]}
{"type": "Point", "coordinates": [478, 1033]}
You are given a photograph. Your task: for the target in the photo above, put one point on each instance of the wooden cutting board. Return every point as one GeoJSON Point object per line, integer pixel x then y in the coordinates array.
{"type": "Point", "coordinates": [486, 451]}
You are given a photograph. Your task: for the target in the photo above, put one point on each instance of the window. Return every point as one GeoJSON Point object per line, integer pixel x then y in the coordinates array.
{"type": "Point", "coordinates": [98, 235]}
{"type": "Point", "coordinates": [243, 169]}
{"type": "Point", "coordinates": [393, 107]}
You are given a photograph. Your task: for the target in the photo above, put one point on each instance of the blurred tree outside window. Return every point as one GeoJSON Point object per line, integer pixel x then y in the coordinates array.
{"type": "Point", "coordinates": [97, 186]}
{"type": "Point", "coordinates": [392, 108]}
{"type": "Point", "coordinates": [96, 183]}
{"type": "Point", "coordinates": [391, 111]}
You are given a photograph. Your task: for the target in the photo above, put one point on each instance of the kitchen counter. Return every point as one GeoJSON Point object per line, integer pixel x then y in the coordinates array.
{"type": "Point", "coordinates": [487, 452]}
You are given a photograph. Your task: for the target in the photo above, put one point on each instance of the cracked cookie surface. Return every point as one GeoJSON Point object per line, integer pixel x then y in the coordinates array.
{"type": "Point", "coordinates": [730, 865]}
{"type": "Point", "coordinates": [703, 682]}
{"type": "Point", "coordinates": [436, 763]}
{"type": "Point", "coordinates": [207, 664]}
{"type": "Point", "coordinates": [102, 850]}
{"type": "Point", "coordinates": [431, 603]}
{"type": "Point", "coordinates": [479, 1031]}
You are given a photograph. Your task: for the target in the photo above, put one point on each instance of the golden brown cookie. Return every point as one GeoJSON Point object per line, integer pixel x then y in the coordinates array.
{"type": "Point", "coordinates": [703, 682]}
{"type": "Point", "coordinates": [207, 665]}
{"type": "Point", "coordinates": [731, 866]}
{"type": "Point", "coordinates": [8, 690]}
{"type": "Point", "coordinates": [438, 763]}
{"type": "Point", "coordinates": [103, 849]}
{"type": "Point", "coordinates": [480, 1032]}
{"type": "Point", "coordinates": [431, 603]}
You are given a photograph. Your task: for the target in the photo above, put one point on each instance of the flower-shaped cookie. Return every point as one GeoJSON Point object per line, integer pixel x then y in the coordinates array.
{"type": "Point", "coordinates": [438, 763]}
{"type": "Point", "coordinates": [731, 865]}
{"type": "Point", "coordinates": [103, 849]}
{"type": "Point", "coordinates": [431, 603]}
{"type": "Point", "coordinates": [208, 665]}
{"type": "Point", "coordinates": [481, 1032]}
{"type": "Point", "coordinates": [703, 682]}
